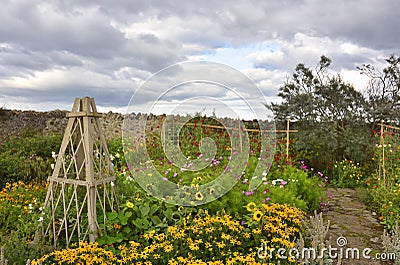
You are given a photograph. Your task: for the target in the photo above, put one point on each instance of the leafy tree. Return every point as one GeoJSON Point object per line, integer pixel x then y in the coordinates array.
{"type": "Point", "coordinates": [383, 91]}
{"type": "Point", "coordinates": [328, 112]}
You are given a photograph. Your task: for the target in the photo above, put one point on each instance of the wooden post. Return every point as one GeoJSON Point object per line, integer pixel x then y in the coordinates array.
{"type": "Point", "coordinates": [3, 260]}
{"type": "Point", "coordinates": [382, 143]}
{"type": "Point", "coordinates": [287, 138]}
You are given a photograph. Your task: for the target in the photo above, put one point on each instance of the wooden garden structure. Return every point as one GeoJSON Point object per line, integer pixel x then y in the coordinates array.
{"type": "Point", "coordinates": [81, 189]}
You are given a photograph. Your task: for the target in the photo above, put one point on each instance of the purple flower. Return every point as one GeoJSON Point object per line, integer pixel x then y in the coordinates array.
{"type": "Point", "coordinates": [227, 169]}
{"type": "Point", "coordinates": [303, 167]}
{"type": "Point", "coordinates": [242, 223]}
{"type": "Point", "coordinates": [249, 193]}
{"type": "Point", "coordinates": [283, 182]}
{"type": "Point", "coordinates": [175, 174]}
{"type": "Point", "coordinates": [266, 191]}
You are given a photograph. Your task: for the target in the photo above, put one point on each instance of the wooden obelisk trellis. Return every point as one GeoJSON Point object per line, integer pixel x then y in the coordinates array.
{"type": "Point", "coordinates": [81, 187]}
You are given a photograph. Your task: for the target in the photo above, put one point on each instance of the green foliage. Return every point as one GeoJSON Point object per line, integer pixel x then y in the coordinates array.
{"type": "Point", "coordinates": [17, 248]}
{"type": "Point", "coordinates": [285, 184]}
{"type": "Point", "coordinates": [386, 199]}
{"type": "Point", "coordinates": [347, 174]}
{"type": "Point", "coordinates": [20, 214]}
{"type": "Point", "coordinates": [383, 91]}
{"type": "Point", "coordinates": [328, 112]}
{"type": "Point", "coordinates": [28, 157]}
{"type": "Point", "coordinates": [139, 213]}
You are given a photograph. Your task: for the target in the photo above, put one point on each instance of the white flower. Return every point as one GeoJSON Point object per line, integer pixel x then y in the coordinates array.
{"type": "Point", "coordinates": [117, 155]}
{"type": "Point", "coordinates": [112, 183]}
{"type": "Point", "coordinates": [53, 155]}
{"type": "Point", "coordinates": [40, 219]}
{"type": "Point", "coordinates": [112, 157]}
{"type": "Point", "coordinates": [276, 180]}
{"type": "Point", "coordinates": [254, 177]}
{"type": "Point", "coordinates": [30, 206]}
{"type": "Point", "coordinates": [52, 166]}
{"type": "Point", "coordinates": [264, 173]}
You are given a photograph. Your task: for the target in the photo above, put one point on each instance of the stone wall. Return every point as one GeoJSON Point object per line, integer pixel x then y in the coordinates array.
{"type": "Point", "coordinates": [14, 122]}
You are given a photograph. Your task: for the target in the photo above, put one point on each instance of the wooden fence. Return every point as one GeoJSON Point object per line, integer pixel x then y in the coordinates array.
{"type": "Point", "coordinates": [239, 128]}
{"type": "Point", "coordinates": [392, 131]}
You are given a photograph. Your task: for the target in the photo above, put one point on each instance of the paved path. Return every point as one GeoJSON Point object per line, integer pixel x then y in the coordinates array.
{"type": "Point", "coordinates": [350, 219]}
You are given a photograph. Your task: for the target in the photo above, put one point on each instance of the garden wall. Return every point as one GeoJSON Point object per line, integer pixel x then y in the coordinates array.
{"type": "Point", "coordinates": [13, 122]}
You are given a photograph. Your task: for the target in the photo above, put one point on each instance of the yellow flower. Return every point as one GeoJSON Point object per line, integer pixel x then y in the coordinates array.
{"type": "Point", "coordinates": [199, 196]}
{"type": "Point", "coordinates": [251, 207]}
{"type": "Point", "coordinates": [129, 204]}
{"type": "Point", "coordinates": [257, 215]}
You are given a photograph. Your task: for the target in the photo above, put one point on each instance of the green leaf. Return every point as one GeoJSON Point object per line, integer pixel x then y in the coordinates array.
{"type": "Point", "coordinates": [144, 210]}
{"type": "Point", "coordinates": [154, 208]}
{"type": "Point", "coordinates": [127, 230]}
{"type": "Point", "coordinates": [155, 219]}
{"type": "Point", "coordinates": [168, 213]}
{"type": "Point", "coordinates": [119, 238]}
{"type": "Point", "coordinates": [112, 215]}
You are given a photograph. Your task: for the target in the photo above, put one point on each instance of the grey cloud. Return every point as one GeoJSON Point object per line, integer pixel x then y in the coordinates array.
{"type": "Point", "coordinates": [88, 36]}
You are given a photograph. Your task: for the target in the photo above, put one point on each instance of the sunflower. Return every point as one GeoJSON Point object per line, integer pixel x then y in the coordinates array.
{"type": "Point", "coordinates": [257, 215]}
{"type": "Point", "coordinates": [251, 207]}
{"type": "Point", "coordinates": [199, 196]}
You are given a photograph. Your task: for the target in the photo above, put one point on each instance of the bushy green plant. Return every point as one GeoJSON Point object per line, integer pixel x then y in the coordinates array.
{"type": "Point", "coordinates": [28, 157]}
{"type": "Point", "coordinates": [20, 214]}
{"type": "Point", "coordinates": [139, 213]}
{"type": "Point", "coordinates": [346, 173]}
{"type": "Point", "coordinates": [386, 200]}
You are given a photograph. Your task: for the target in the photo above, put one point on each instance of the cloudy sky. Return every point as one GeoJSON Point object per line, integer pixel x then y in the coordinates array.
{"type": "Point", "coordinates": [54, 51]}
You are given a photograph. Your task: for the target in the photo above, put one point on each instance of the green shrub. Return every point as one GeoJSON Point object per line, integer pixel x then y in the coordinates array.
{"type": "Point", "coordinates": [28, 157]}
